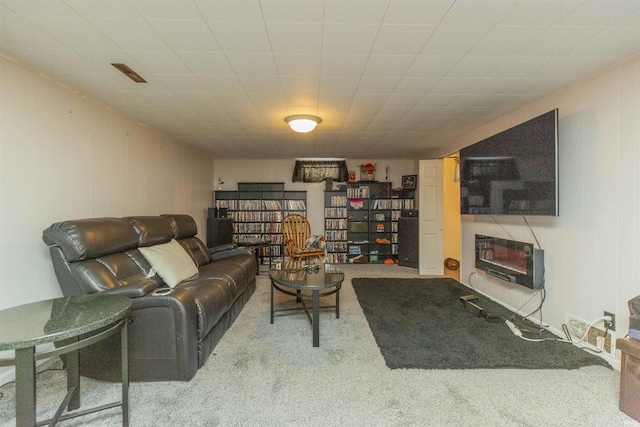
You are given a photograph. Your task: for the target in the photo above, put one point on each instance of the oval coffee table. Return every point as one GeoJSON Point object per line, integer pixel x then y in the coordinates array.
{"type": "Point", "coordinates": [292, 278]}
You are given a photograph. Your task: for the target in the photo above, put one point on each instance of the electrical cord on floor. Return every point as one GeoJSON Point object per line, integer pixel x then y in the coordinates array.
{"type": "Point", "coordinates": [37, 373]}
{"type": "Point", "coordinates": [473, 273]}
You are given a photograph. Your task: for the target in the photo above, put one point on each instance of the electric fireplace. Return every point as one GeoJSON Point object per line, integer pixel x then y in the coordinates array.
{"type": "Point", "coordinates": [511, 261]}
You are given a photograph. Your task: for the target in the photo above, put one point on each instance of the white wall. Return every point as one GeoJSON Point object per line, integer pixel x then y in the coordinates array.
{"type": "Point", "coordinates": [592, 249]}
{"type": "Point", "coordinates": [234, 171]}
{"type": "Point", "coordinates": [63, 156]}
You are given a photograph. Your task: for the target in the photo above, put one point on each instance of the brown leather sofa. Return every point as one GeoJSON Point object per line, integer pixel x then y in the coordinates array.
{"type": "Point", "coordinates": [172, 331]}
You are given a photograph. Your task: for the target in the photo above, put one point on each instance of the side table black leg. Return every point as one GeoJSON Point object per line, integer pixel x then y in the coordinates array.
{"type": "Point", "coordinates": [272, 303]}
{"type": "Point", "coordinates": [73, 378]}
{"type": "Point", "coordinates": [338, 304]}
{"type": "Point", "coordinates": [124, 351]}
{"type": "Point", "coordinates": [316, 318]}
{"type": "Point", "coordinates": [25, 387]}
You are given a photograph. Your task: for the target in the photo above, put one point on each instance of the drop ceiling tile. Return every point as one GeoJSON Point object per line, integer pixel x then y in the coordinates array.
{"type": "Point", "coordinates": [300, 84]}
{"type": "Point", "coordinates": [564, 67]}
{"type": "Point", "coordinates": [90, 81]}
{"type": "Point", "coordinates": [611, 38]}
{"type": "Point", "coordinates": [292, 11]}
{"type": "Point", "coordinates": [297, 65]}
{"type": "Point", "coordinates": [186, 35]}
{"type": "Point", "coordinates": [475, 66]}
{"type": "Point", "coordinates": [348, 38]}
{"type": "Point", "coordinates": [39, 7]}
{"type": "Point", "coordinates": [264, 101]}
{"type": "Point", "coordinates": [111, 9]}
{"type": "Point", "coordinates": [127, 97]}
{"type": "Point", "coordinates": [455, 39]}
{"type": "Point", "coordinates": [67, 60]}
{"type": "Point", "coordinates": [301, 103]}
{"type": "Point", "coordinates": [519, 66]}
{"type": "Point", "coordinates": [388, 65]}
{"type": "Point", "coordinates": [162, 97]}
{"type": "Point", "coordinates": [130, 34]}
{"type": "Point", "coordinates": [159, 62]}
{"type": "Point", "coordinates": [213, 83]}
{"type": "Point", "coordinates": [598, 13]}
{"type": "Point", "coordinates": [295, 37]}
{"type": "Point", "coordinates": [436, 100]}
{"type": "Point", "coordinates": [167, 9]}
{"type": "Point", "coordinates": [258, 84]}
{"type": "Point", "coordinates": [30, 58]}
{"type": "Point", "coordinates": [557, 40]}
{"type": "Point", "coordinates": [241, 37]}
{"type": "Point", "coordinates": [507, 40]}
{"type": "Point", "coordinates": [206, 62]}
{"type": "Point", "coordinates": [200, 98]}
{"type": "Point", "coordinates": [259, 64]}
{"type": "Point", "coordinates": [410, 85]}
{"type": "Point", "coordinates": [230, 10]}
{"type": "Point", "coordinates": [378, 85]}
{"type": "Point", "coordinates": [339, 85]}
{"type": "Point", "coordinates": [539, 12]}
{"type": "Point", "coordinates": [180, 82]}
{"type": "Point", "coordinates": [365, 107]}
{"type": "Point", "coordinates": [403, 100]}
{"type": "Point", "coordinates": [232, 99]}
{"type": "Point", "coordinates": [355, 12]}
{"type": "Point", "coordinates": [417, 12]}
{"type": "Point", "coordinates": [402, 39]}
{"type": "Point", "coordinates": [72, 31]}
{"type": "Point", "coordinates": [470, 12]}
{"type": "Point", "coordinates": [16, 31]}
{"type": "Point", "coordinates": [343, 65]}
{"type": "Point", "coordinates": [432, 66]}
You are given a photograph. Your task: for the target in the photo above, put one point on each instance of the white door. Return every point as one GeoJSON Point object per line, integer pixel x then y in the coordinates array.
{"type": "Point", "coordinates": [431, 215]}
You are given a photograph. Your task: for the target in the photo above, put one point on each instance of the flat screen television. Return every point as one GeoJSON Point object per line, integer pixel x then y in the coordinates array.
{"type": "Point", "coordinates": [514, 172]}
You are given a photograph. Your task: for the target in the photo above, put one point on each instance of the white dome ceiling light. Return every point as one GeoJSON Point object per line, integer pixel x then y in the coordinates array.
{"type": "Point", "coordinates": [302, 123]}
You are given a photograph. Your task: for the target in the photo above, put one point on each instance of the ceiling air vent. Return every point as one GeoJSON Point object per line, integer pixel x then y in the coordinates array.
{"type": "Point", "coordinates": [129, 73]}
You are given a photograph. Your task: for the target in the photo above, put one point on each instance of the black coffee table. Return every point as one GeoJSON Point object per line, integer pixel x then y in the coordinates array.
{"type": "Point", "coordinates": [292, 278]}
{"type": "Point", "coordinates": [256, 245]}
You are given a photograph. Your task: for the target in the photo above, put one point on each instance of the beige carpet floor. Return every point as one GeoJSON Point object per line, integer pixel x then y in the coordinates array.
{"type": "Point", "coordinates": [270, 375]}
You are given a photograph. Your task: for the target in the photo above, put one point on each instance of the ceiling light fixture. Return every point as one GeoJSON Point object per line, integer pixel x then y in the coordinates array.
{"type": "Point", "coordinates": [302, 123]}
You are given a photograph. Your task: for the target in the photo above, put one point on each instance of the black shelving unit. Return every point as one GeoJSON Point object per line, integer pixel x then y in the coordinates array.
{"type": "Point", "coordinates": [335, 225]}
{"type": "Point", "coordinates": [257, 209]}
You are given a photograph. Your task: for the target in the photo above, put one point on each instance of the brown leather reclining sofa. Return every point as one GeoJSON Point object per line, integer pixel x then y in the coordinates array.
{"type": "Point", "coordinates": [172, 331]}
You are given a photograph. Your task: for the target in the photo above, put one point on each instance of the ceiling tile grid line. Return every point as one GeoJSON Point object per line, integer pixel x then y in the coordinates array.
{"type": "Point", "coordinates": [382, 73]}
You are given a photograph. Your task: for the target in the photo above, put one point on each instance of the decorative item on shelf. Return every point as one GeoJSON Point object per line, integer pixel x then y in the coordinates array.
{"type": "Point", "coordinates": [220, 182]}
{"type": "Point", "coordinates": [367, 172]}
{"type": "Point", "coordinates": [380, 227]}
{"type": "Point", "coordinates": [352, 176]}
{"type": "Point", "coordinates": [409, 182]}
{"type": "Point", "coordinates": [379, 217]}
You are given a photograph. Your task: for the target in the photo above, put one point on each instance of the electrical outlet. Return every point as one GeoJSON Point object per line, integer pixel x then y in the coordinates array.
{"type": "Point", "coordinates": [613, 320]}
{"type": "Point", "coordinates": [577, 327]}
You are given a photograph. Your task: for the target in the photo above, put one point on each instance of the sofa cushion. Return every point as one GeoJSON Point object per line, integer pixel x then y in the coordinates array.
{"type": "Point", "coordinates": [171, 262]}
{"type": "Point", "coordinates": [183, 226]}
{"type": "Point", "coordinates": [152, 230]}
{"type": "Point", "coordinates": [89, 238]}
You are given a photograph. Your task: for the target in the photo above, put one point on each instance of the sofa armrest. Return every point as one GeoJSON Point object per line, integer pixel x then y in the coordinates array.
{"type": "Point", "coordinates": [133, 291]}
{"type": "Point", "coordinates": [230, 252]}
{"type": "Point", "coordinates": [221, 248]}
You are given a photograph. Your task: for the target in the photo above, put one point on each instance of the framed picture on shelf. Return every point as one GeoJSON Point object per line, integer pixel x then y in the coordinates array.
{"type": "Point", "coordinates": [409, 182]}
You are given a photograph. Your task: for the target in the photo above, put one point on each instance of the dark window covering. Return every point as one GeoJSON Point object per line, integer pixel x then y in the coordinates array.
{"type": "Point", "coordinates": [319, 170]}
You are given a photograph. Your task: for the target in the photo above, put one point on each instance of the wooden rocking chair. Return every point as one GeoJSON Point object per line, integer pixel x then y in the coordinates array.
{"type": "Point", "coordinates": [296, 230]}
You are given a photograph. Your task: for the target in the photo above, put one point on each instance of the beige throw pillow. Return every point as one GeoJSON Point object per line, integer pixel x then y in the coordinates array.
{"type": "Point", "coordinates": [171, 262]}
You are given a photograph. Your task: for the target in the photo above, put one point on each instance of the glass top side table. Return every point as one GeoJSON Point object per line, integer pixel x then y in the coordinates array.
{"type": "Point", "coordinates": [22, 328]}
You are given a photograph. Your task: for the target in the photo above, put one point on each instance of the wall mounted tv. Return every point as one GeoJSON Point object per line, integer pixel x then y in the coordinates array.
{"type": "Point", "coordinates": [514, 172]}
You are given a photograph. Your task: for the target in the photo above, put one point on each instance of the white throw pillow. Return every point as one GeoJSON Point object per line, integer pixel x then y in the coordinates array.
{"type": "Point", "coordinates": [171, 261]}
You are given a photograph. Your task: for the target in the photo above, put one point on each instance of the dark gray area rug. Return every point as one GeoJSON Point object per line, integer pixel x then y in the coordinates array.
{"type": "Point", "coordinates": [422, 324]}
